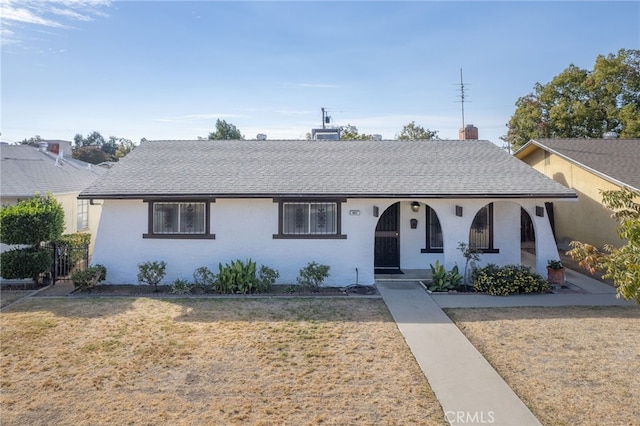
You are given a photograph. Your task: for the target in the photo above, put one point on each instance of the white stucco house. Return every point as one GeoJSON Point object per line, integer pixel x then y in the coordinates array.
{"type": "Point", "coordinates": [357, 206]}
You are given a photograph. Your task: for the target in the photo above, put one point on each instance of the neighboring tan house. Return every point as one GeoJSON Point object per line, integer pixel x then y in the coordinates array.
{"type": "Point", "coordinates": [588, 166]}
{"type": "Point", "coordinates": [26, 170]}
{"type": "Point", "coordinates": [360, 207]}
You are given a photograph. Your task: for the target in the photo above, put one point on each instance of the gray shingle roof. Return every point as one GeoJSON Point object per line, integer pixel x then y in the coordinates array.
{"type": "Point", "coordinates": [322, 168]}
{"type": "Point", "coordinates": [24, 171]}
{"type": "Point", "coordinates": [617, 160]}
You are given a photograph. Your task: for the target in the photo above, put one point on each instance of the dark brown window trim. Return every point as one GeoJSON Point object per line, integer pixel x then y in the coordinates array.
{"type": "Point", "coordinates": [207, 214]}
{"type": "Point", "coordinates": [337, 236]}
{"type": "Point", "coordinates": [428, 250]}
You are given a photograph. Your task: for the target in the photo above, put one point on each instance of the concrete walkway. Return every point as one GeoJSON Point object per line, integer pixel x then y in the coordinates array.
{"type": "Point", "coordinates": [468, 388]}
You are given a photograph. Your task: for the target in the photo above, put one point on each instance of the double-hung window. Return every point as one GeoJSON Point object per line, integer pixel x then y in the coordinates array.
{"type": "Point", "coordinates": [481, 232]}
{"type": "Point", "coordinates": [309, 219]}
{"type": "Point", "coordinates": [179, 219]}
{"type": "Point", "coordinates": [82, 218]}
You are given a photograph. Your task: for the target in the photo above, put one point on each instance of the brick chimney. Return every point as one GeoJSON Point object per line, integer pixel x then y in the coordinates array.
{"type": "Point", "coordinates": [470, 132]}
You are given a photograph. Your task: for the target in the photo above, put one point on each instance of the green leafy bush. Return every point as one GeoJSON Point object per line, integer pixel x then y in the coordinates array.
{"type": "Point", "coordinates": [40, 218]}
{"type": "Point", "coordinates": [25, 263]}
{"type": "Point", "coordinates": [204, 277]}
{"type": "Point", "coordinates": [266, 278]}
{"type": "Point", "coordinates": [509, 279]}
{"type": "Point", "coordinates": [180, 287]}
{"type": "Point", "coordinates": [313, 275]}
{"type": "Point", "coordinates": [237, 277]}
{"type": "Point", "coordinates": [443, 280]}
{"type": "Point", "coordinates": [90, 277]}
{"type": "Point", "coordinates": [151, 273]}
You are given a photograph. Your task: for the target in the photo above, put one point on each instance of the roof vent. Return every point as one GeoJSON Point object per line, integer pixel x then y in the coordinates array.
{"type": "Point", "coordinates": [42, 146]}
{"type": "Point", "coordinates": [261, 137]}
{"type": "Point", "coordinates": [610, 135]}
{"type": "Point", "coordinates": [376, 137]}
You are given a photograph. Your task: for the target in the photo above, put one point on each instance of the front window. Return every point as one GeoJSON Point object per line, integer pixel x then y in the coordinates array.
{"type": "Point", "coordinates": [178, 219]}
{"type": "Point", "coordinates": [83, 215]}
{"type": "Point", "coordinates": [481, 232]}
{"type": "Point", "coordinates": [433, 233]}
{"type": "Point", "coordinates": [309, 219]}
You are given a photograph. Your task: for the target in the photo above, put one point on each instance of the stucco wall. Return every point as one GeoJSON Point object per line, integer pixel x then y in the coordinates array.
{"type": "Point", "coordinates": [586, 220]}
{"type": "Point", "coordinates": [245, 228]}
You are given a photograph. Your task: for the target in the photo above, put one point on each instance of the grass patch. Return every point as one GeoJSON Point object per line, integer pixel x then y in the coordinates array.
{"type": "Point", "coordinates": [570, 365]}
{"type": "Point", "coordinates": [9, 296]}
{"type": "Point", "coordinates": [209, 361]}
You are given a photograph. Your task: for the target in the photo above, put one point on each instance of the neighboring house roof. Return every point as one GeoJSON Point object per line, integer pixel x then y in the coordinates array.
{"type": "Point", "coordinates": [304, 168]}
{"type": "Point", "coordinates": [25, 170]}
{"type": "Point", "coordinates": [616, 160]}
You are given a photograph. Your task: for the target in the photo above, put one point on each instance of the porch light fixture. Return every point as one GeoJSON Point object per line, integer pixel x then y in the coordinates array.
{"type": "Point", "coordinates": [415, 206]}
{"type": "Point", "coordinates": [459, 211]}
{"type": "Point", "coordinates": [376, 211]}
{"type": "Point", "coordinates": [539, 211]}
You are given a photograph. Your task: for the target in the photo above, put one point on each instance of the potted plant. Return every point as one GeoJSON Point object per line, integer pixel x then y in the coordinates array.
{"type": "Point", "coordinates": [555, 272]}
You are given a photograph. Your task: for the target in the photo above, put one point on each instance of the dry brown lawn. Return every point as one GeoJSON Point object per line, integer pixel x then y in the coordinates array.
{"type": "Point", "coordinates": [208, 361]}
{"type": "Point", "coordinates": [571, 365]}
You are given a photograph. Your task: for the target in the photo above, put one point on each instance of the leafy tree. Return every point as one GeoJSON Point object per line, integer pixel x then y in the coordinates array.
{"type": "Point", "coordinates": [582, 104]}
{"type": "Point", "coordinates": [92, 154]}
{"type": "Point", "coordinates": [32, 141]}
{"type": "Point", "coordinates": [413, 132]}
{"type": "Point", "coordinates": [93, 139]}
{"type": "Point", "coordinates": [125, 146]}
{"type": "Point", "coordinates": [95, 149]}
{"type": "Point", "coordinates": [350, 133]}
{"type": "Point", "coordinates": [620, 264]}
{"type": "Point", "coordinates": [225, 131]}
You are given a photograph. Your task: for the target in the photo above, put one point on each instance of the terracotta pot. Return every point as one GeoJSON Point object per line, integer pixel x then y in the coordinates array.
{"type": "Point", "coordinates": [555, 276]}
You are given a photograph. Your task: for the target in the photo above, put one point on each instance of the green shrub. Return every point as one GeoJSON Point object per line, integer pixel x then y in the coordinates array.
{"type": "Point", "coordinates": [180, 287]}
{"type": "Point", "coordinates": [89, 277]}
{"type": "Point", "coordinates": [266, 278]}
{"type": "Point", "coordinates": [25, 263]}
{"type": "Point", "coordinates": [40, 218]}
{"type": "Point", "coordinates": [313, 275]}
{"type": "Point", "coordinates": [203, 277]}
{"type": "Point", "coordinates": [151, 273]}
{"type": "Point", "coordinates": [237, 277]}
{"type": "Point", "coordinates": [443, 280]}
{"type": "Point", "coordinates": [509, 279]}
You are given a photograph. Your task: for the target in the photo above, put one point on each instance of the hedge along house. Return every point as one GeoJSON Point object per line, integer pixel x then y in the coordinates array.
{"type": "Point", "coordinates": [356, 206]}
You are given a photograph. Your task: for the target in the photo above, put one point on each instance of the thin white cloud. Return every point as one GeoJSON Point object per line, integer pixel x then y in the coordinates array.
{"type": "Point", "coordinates": [52, 13]}
{"type": "Point", "coordinates": [18, 14]}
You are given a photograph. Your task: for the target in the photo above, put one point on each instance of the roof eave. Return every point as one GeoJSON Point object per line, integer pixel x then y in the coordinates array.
{"type": "Point", "coordinates": [316, 195]}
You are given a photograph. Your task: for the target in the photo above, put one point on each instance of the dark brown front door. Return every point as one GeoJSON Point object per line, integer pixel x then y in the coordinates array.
{"type": "Point", "coordinates": [387, 244]}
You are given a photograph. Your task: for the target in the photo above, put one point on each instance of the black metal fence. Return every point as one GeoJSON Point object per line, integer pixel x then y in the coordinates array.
{"type": "Point", "coordinates": [66, 259]}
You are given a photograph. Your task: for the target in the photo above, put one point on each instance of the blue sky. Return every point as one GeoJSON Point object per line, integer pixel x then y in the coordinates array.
{"type": "Point", "coordinates": [168, 70]}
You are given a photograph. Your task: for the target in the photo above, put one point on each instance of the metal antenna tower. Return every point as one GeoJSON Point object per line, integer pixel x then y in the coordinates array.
{"type": "Point", "coordinates": [462, 96]}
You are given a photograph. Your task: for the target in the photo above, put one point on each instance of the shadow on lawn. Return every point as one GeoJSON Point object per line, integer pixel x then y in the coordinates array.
{"type": "Point", "coordinates": [237, 309]}
{"type": "Point", "coordinates": [317, 310]}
